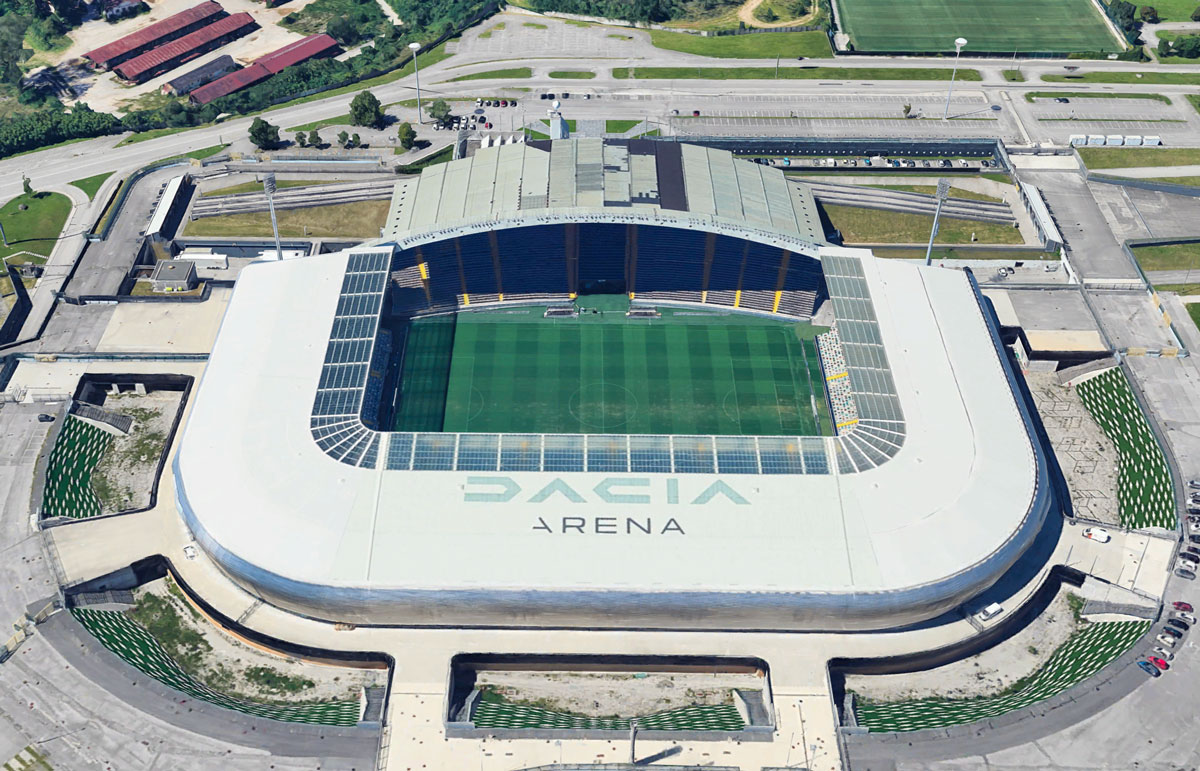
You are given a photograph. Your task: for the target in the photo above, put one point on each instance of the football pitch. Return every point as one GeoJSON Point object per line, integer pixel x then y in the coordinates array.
{"type": "Point", "coordinates": [513, 371]}
{"type": "Point", "coordinates": [999, 26]}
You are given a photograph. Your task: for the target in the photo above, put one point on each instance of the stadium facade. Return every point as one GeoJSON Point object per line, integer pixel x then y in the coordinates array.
{"type": "Point", "coordinates": [933, 486]}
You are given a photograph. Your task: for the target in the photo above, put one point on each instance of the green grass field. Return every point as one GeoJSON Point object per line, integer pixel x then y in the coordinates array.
{"type": "Point", "coordinates": [929, 26]}
{"type": "Point", "coordinates": [1125, 77]}
{"type": "Point", "coordinates": [767, 45]}
{"type": "Point", "coordinates": [1098, 158]}
{"type": "Point", "coordinates": [36, 228]}
{"type": "Point", "coordinates": [516, 372]}
{"type": "Point", "coordinates": [91, 185]}
{"type": "Point", "coordinates": [1169, 257]}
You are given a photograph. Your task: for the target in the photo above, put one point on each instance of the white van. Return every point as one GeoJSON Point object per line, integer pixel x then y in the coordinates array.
{"type": "Point", "coordinates": [990, 612]}
{"type": "Point", "coordinates": [1133, 141]}
{"type": "Point", "coordinates": [1151, 141]}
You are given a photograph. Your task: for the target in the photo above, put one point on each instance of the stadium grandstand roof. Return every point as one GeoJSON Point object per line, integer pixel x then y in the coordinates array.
{"type": "Point", "coordinates": [299, 51]}
{"type": "Point", "coordinates": [187, 47]}
{"type": "Point", "coordinates": [234, 81]}
{"type": "Point", "coordinates": [142, 40]}
{"type": "Point", "coordinates": [929, 499]}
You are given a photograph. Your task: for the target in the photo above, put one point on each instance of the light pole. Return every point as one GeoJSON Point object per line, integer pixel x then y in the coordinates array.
{"type": "Point", "coordinates": [958, 47]}
{"type": "Point", "coordinates": [943, 192]}
{"type": "Point", "coordinates": [415, 47]}
{"type": "Point", "coordinates": [269, 189]}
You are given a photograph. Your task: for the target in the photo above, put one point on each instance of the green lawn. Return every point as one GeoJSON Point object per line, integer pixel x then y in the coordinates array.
{"type": "Point", "coordinates": [765, 45]}
{"type": "Point", "coordinates": [37, 228]}
{"type": "Point", "coordinates": [534, 25]}
{"type": "Point", "coordinates": [1014, 76]}
{"type": "Point", "coordinates": [573, 74]}
{"type": "Point", "coordinates": [1190, 181]}
{"type": "Point", "coordinates": [1175, 10]}
{"type": "Point", "coordinates": [1097, 158]}
{"type": "Point", "coordinates": [441, 156]}
{"type": "Point", "coordinates": [343, 220]}
{"type": "Point", "coordinates": [1144, 491]}
{"type": "Point", "coordinates": [1083, 655]}
{"type": "Point", "coordinates": [955, 192]}
{"type": "Point", "coordinates": [960, 253]}
{"type": "Point", "coordinates": [513, 72]}
{"type": "Point", "coordinates": [142, 136]}
{"type": "Point", "coordinates": [1169, 257]}
{"type": "Point", "coordinates": [1031, 95]}
{"type": "Point", "coordinates": [1149, 78]}
{"type": "Point", "coordinates": [1186, 290]}
{"type": "Point", "coordinates": [604, 373]}
{"type": "Point", "coordinates": [1193, 310]}
{"type": "Point", "coordinates": [875, 226]}
{"type": "Point", "coordinates": [620, 126]}
{"type": "Point", "coordinates": [995, 26]}
{"type": "Point", "coordinates": [91, 185]}
{"type": "Point", "coordinates": [794, 73]}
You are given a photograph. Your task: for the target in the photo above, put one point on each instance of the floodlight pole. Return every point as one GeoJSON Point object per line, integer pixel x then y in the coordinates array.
{"type": "Point", "coordinates": [943, 191]}
{"type": "Point", "coordinates": [415, 47]}
{"type": "Point", "coordinates": [269, 189]}
{"type": "Point", "coordinates": [958, 46]}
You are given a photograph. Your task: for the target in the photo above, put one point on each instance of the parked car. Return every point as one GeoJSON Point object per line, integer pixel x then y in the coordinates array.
{"type": "Point", "coordinates": [1194, 484]}
{"type": "Point", "coordinates": [1193, 538]}
{"type": "Point", "coordinates": [1171, 631]}
{"type": "Point", "coordinates": [566, 94]}
{"type": "Point", "coordinates": [1186, 607]}
{"type": "Point", "coordinates": [1156, 661]}
{"type": "Point", "coordinates": [44, 418]}
{"type": "Point", "coordinates": [1162, 653]}
{"type": "Point", "coordinates": [695, 113]}
{"type": "Point", "coordinates": [1185, 573]}
{"type": "Point", "coordinates": [1149, 669]}
{"type": "Point", "coordinates": [1166, 641]}
{"type": "Point", "coordinates": [1097, 534]}
{"type": "Point", "coordinates": [1179, 624]}
{"type": "Point", "coordinates": [1062, 99]}
{"type": "Point", "coordinates": [1184, 616]}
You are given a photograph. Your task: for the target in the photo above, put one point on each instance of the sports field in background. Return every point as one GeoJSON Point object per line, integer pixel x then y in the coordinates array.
{"type": "Point", "coordinates": [512, 371]}
{"type": "Point", "coordinates": [1001, 26]}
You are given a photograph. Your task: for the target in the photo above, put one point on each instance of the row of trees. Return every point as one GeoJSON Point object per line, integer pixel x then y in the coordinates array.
{"type": "Point", "coordinates": [1187, 47]}
{"type": "Point", "coordinates": [48, 127]}
{"type": "Point", "coordinates": [365, 111]}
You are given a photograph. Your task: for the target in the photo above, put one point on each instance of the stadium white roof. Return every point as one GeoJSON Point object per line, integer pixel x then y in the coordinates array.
{"type": "Point", "coordinates": [896, 542]}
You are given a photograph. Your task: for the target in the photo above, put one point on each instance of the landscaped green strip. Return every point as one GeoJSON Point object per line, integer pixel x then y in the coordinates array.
{"type": "Point", "coordinates": [77, 450]}
{"type": "Point", "coordinates": [1169, 257]}
{"type": "Point", "coordinates": [1152, 78]}
{"type": "Point", "coordinates": [573, 74]}
{"type": "Point", "coordinates": [1014, 76]}
{"type": "Point", "coordinates": [514, 72]}
{"type": "Point", "coordinates": [91, 185]}
{"type": "Point", "coordinates": [860, 225]}
{"type": "Point", "coordinates": [1193, 309]}
{"type": "Point", "coordinates": [620, 126]}
{"type": "Point", "coordinates": [35, 229]}
{"type": "Point", "coordinates": [960, 253]}
{"type": "Point", "coordinates": [136, 647]}
{"type": "Point", "coordinates": [142, 136]}
{"type": "Point", "coordinates": [1086, 653]}
{"type": "Point", "coordinates": [794, 73]}
{"type": "Point", "coordinates": [1184, 290]}
{"type": "Point", "coordinates": [763, 45]}
{"type": "Point", "coordinates": [1144, 492]}
{"type": "Point", "coordinates": [441, 156]}
{"type": "Point", "coordinates": [1031, 95]}
{"type": "Point", "coordinates": [1096, 158]}
{"type": "Point", "coordinates": [493, 712]}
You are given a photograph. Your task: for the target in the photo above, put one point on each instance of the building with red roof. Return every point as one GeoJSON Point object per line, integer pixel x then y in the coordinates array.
{"type": "Point", "coordinates": [159, 60]}
{"type": "Point", "coordinates": [312, 47]}
{"type": "Point", "coordinates": [160, 32]}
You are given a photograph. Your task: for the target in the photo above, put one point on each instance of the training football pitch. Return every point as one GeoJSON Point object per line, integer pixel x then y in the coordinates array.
{"type": "Point", "coordinates": [513, 371]}
{"type": "Point", "coordinates": [930, 26]}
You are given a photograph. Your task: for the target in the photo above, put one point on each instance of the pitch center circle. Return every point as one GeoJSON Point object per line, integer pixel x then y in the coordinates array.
{"type": "Point", "coordinates": [604, 406]}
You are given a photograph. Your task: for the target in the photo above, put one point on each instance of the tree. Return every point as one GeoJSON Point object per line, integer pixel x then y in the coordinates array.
{"type": "Point", "coordinates": [355, 141]}
{"type": "Point", "coordinates": [301, 138]}
{"type": "Point", "coordinates": [343, 139]}
{"type": "Point", "coordinates": [314, 139]}
{"type": "Point", "coordinates": [1196, 14]}
{"type": "Point", "coordinates": [366, 110]}
{"type": "Point", "coordinates": [26, 186]}
{"type": "Point", "coordinates": [907, 110]}
{"type": "Point", "coordinates": [1149, 14]}
{"type": "Point", "coordinates": [407, 136]}
{"type": "Point", "coordinates": [438, 110]}
{"type": "Point", "coordinates": [341, 29]}
{"type": "Point", "coordinates": [264, 135]}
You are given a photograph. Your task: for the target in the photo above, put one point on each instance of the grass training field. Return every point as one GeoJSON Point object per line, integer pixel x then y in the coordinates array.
{"type": "Point", "coordinates": [930, 26]}
{"type": "Point", "coordinates": [514, 371]}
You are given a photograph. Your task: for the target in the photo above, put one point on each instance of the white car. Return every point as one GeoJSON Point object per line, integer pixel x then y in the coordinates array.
{"type": "Point", "coordinates": [1163, 653]}
{"type": "Point", "coordinates": [1097, 534]}
{"type": "Point", "coordinates": [1182, 616]}
{"type": "Point", "coordinates": [1166, 640]}
{"type": "Point", "coordinates": [1189, 564]}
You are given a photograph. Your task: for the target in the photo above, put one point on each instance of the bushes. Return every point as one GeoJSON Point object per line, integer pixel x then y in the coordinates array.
{"type": "Point", "coordinates": [1187, 47]}
{"type": "Point", "coordinates": [48, 127]}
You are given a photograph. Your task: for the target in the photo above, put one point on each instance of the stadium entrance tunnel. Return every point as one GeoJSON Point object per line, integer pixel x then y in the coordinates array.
{"type": "Point", "coordinates": [601, 697]}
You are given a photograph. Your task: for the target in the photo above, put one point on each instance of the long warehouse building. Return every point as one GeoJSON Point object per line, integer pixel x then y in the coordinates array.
{"type": "Point", "coordinates": [313, 47]}
{"type": "Point", "coordinates": [177, 52]}
{"type": "Point", "coordinates": [157, 34]}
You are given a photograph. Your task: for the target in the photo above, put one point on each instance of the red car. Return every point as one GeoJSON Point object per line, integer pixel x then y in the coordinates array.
{"type": "Point", "coordinates": [1186, 607]}
{"type": "Point", "coordinates": [1162, 665]}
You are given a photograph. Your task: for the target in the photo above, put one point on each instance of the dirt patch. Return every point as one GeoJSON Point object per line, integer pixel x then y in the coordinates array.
{"type": "Point", "coordinates": [615, 694]}
{"type": "Point", "coordinates": [125, 475]}
{"type": "Point", "coordinates": [1087, 457]}
{"type": "Point", "coordinates": [234, 668]}
{"type": "Point", "coordinates": [986, 673]}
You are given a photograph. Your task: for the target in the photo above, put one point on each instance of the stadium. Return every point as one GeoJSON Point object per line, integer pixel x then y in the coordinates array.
{"type": "Point", "coordinates": [610, 384]}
